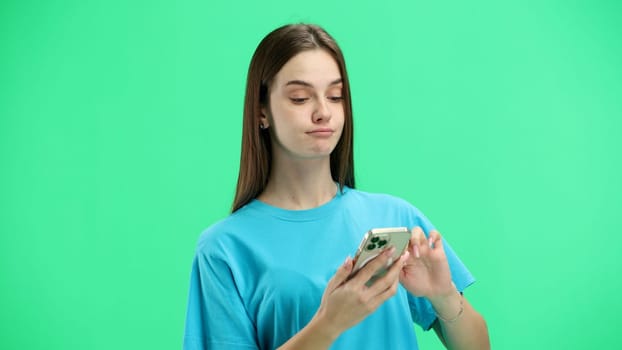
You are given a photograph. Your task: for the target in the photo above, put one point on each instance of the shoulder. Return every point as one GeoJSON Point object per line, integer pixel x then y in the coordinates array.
{"type": "Point", "coordinates": [380, 200]}
{"type": "Point", "coordinates": [389, 206]}
{"type": "Point", "coordinates": [225, 232]}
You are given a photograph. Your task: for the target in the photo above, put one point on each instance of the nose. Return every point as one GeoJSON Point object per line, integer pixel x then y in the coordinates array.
{"type": "Point", "coordinates": [322, 112]}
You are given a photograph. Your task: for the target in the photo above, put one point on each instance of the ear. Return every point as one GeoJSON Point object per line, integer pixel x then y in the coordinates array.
{"type": "Point", "coordinates": [263, 119]}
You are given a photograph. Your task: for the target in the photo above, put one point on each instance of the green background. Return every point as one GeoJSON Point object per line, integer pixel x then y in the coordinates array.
{"type": "Point", "coordinates": [120, 126]}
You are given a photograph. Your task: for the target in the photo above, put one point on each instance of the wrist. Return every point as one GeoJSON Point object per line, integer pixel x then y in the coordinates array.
{"type": "Point", "coordinates": [317, 334]}
{"type": "Point", "coordinates": [448, 306]}
{"type": "Point", "coordinates": [445, 294]}
{"type": "Point", "coordinates": [321, 327]}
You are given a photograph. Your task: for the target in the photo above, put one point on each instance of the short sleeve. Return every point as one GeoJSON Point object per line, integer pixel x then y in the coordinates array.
{"type": "Point", "coordinates": [421, 309]}
{"type": "Point", "coordinates": [216, 317]}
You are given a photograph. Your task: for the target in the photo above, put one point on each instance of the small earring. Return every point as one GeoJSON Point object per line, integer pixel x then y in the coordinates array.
{"type": "Point", "coordinates": [262, 127]}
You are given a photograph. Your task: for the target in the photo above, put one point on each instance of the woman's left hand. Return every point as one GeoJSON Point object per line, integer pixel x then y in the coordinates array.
{"type": "Point", "coordinates": [426, 272]}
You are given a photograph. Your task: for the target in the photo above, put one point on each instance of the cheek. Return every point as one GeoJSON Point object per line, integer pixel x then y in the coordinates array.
{"type": "Point", "coordinates": [338, 110]}
{"type": "Point", "coordinates": [339, 116]}
{"type": "Point", "coordinates": [284, 112]}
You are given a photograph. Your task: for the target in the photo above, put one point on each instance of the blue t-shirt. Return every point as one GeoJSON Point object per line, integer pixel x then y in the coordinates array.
{"type": "Point", "coordinates": [258, 275]}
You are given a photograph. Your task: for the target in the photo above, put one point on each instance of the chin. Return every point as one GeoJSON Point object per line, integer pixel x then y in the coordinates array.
{"type": "Point", "coordinates": [321, 154]}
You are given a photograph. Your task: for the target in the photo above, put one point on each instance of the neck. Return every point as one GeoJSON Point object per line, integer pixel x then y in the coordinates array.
{"type": "Point", "coordinates": [302, 185]}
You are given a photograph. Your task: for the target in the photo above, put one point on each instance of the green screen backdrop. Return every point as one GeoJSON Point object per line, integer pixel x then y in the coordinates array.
{"type": "Point", "coordinates": [120, 126]}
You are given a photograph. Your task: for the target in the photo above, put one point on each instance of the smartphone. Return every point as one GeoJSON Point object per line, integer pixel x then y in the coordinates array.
{"type": "Point", "coordinates": [375, 242]}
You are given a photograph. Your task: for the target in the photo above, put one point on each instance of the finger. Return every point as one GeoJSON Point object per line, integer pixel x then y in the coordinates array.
{"type": "Point", "coordinates": [418, 237]}
{"type": "Point", "coordinates": [434, 240]}
{"type": "Point", "coordinates": [341, 275]}
{"type": "Point", "coordinates": [392, 275]}
{"type": "Point", "coordinates": [413, 236]}
{"type": "Point", "coordinates": [385, 294]}
{"type": "Point", "coordinates": [373, 266]}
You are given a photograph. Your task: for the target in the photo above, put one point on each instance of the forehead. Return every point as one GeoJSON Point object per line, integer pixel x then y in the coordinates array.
{"type": "Point", "coordinates": [317, 67]}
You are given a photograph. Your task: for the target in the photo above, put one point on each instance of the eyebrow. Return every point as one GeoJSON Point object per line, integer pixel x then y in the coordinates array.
{"type": "Point", "coordinates": [304, 83]}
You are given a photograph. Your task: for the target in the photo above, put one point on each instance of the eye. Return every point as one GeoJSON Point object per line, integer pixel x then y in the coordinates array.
{"type": "Point", "coordinates": [298, 100]}
{"type": "Point", "coordinates": [335, 98]}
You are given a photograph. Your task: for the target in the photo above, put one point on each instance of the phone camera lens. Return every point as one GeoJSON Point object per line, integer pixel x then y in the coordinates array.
{"type": "Point", "coordinates": [375, 239]}
{"type": "Point", "coordinates": [382, 243]}
{"type": "Point", "coordinates": [371, 246]}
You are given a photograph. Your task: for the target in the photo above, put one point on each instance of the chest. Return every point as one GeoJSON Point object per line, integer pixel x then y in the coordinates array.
{"type": "Point", "coordinates": [282, 269]}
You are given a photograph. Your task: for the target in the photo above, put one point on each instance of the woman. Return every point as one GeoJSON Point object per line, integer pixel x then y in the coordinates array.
{"type": "Point", "coordinates": [264, 277]}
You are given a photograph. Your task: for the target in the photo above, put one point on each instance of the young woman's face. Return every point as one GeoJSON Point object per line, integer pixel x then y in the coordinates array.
{"type": "Point", "coordinates": [305, 109]}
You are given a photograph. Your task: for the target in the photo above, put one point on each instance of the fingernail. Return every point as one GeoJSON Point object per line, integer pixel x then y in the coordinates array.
{"type": "Point", "coordinates": [431, 243]}
{"type": "Point", "coordinates": [417, 251]}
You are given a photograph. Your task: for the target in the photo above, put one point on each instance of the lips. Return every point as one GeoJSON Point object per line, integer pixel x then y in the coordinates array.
{"type": "Point", "coordinates": [321, 132]}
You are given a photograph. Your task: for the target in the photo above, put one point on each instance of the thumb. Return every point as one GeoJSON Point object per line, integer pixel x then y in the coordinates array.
{"type": "Point", "coordinates": [341, 275]}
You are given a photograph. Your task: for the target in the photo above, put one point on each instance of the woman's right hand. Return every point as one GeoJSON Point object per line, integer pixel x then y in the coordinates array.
{"type": "Point", "coordinates": [347, 302]}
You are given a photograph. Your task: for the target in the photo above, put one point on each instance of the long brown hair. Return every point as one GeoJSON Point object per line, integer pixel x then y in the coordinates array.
{"type": "Point", "coordinates": [273, 52]}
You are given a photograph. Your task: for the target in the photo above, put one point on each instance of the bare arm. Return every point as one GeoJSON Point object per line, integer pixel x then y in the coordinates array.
{"type": "Point", "coordinates": [427, 274]}
{"type": "Point", "coordinates": [464, 331]}
{"type": "Point", "coordinates": [347, 302]}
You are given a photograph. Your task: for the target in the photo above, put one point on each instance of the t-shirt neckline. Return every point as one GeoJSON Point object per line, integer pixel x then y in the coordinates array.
{"type": "Point", "coordinates": [311, 214]}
